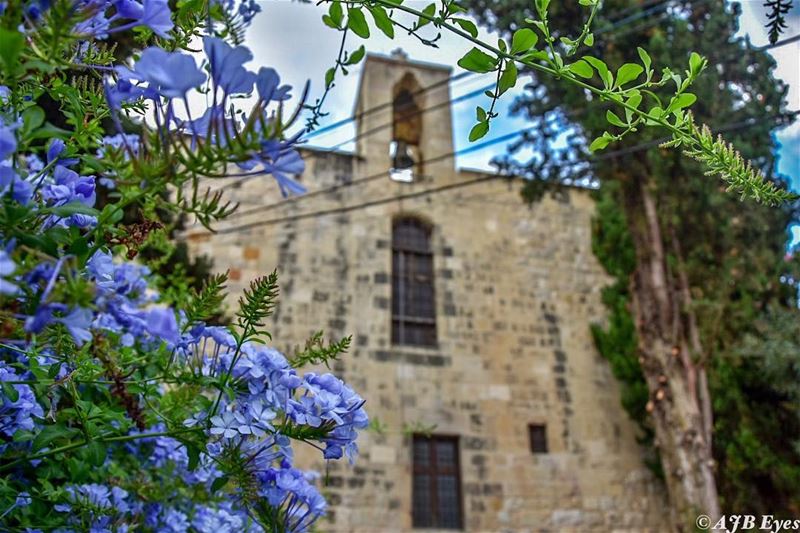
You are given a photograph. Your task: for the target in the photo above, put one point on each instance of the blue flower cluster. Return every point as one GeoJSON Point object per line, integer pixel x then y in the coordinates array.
{"type": "Point", "coordinates": [272, 399]}
{"type": "Point", "coordinates": [165, 79]}
{"type": "Point", "coordinates": [87, 345]}
{"type": "Point", "coordinates": [16, 413]}
{"type": "Point", "coordinates": [100, 18]}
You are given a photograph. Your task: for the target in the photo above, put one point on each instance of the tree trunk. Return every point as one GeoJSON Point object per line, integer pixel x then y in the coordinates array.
{"type": "Point", "coordinates": [672, 363]}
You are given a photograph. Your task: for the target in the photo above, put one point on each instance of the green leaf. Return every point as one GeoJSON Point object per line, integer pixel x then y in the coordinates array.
{"type": "Point", "coordinates": [581, 68]}
{"type": "Point", "coordinates": [51, 433]}
{"type": "Point", "coordinates": [336, 13]}
{"type": "Point", "coordinates": [612, 118]}
{"type": "Point", "coordinates": [634, 100]}
{"type": "Point", "coordinates": [382, 21]}
{"type": "Point", "coordinates": [589, 39]}
{"type": "Point", "coordinates": [357, 56]}
{"type": "Point", "coordinates": [601, 69]}
{"type": "Point", "coordinates": [523, 40]}
{"type": "Point", "coordinates": [467, 25]}
{"type": "Point", "coordinates": [480, 114]}
{"type": "Point", "coordinates": [219, 483]}
{"type": "Point", "coordinates": [11, 45]}
{"type": "Point", "coordinates": [96, 452]}
{"type": "Point", "coordinates": [508, 79]}
{"type": "Point", "coordinates": [681, 101]}
{"type": "Point", "coordinates": [357, 22]}
{"type": "Point", "coordinates": [32, 118]}
{"type": "Point", "coordinates": [696, 63]}
{"type": "Point", "coordinates": [329, 22]}
{"type": "Point", "coordinates": [10, 391]}
{"type": "Point", "coordinates": [645, 57]}
{"type": "Point", "coordinates": [627, 73]}
{"type": "Point", "coordinates": [329, 75]}
{"type": "Point", "coordinates": [429, 11]}
{"type": "Point", "coordinates": [477, 61]}
{"type": "Point", "coordinates": [194, 455]}
{"type": "Point", "coordinates": [72, 208]}
{"type": "Point", "coordinates": [600, 143]}
{"type": "Point", "coordinates": [478, 130]}
{"type": "Point", "coordinates": [541, 7]}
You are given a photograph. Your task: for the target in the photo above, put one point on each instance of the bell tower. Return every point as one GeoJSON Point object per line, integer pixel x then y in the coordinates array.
{"type": "Point", "coordinates": [403, 118]}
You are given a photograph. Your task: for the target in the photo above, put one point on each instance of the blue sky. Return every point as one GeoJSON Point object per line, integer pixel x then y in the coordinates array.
{"type": "Point", "coordinates": [290, 37]}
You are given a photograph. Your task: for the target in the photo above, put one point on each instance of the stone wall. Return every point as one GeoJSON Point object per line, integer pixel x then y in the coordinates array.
{"type": "Point", "coordinates": [516, 291]}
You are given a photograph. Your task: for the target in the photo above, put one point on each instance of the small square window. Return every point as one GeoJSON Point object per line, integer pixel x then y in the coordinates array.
{"type": "Point", "coordinates": [538, 437]}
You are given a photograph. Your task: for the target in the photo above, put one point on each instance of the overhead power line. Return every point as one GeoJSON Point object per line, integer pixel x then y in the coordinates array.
{"type": "Point", "coordinates": [618, 24]}
{"type": "Point", "coordinates": [452, 186]}
{"type": "Point", "coordinates": [660, 5]}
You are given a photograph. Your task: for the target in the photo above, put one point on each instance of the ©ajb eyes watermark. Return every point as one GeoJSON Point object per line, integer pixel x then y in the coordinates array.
{"type": "Point", "coordinates": [747, 522]}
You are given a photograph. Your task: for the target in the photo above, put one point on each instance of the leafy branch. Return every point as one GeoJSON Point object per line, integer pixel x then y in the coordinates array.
{"type": "Point", "coordinates": [777, 18]}
{"type": "Point", "coordinates": [632, 88]}
{"type": "Point", "coordinates": [316, 353]}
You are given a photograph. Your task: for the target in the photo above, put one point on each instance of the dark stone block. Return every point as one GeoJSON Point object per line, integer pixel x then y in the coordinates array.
{"type": "Point", "coordinates": [447, 251]}
{"type": "Point", "coordinates": [355, 482]}
{"type": "Point", "coordinates": [381, 302]}
{"type": "Point", "coordinates": [320, 296]}
{"type": "Point", "coordinates": [492, 489]}
{"type": "Point", "coordinates": [437, 360]}
{"type": "Point", "coordinates": [446, 273]}
{"type": "Point", "coordinates": [381, 244]}
{"type": "Point", "coordinates": [449, 310]}
{"type": "Point", "coordinates": [561, 357]}
{"type": "Point", "coordinates": [381, 277]}
{"type": "Point", "coordinates": [334, 481]}
{"type": "Point", "coordinates": [382, 355]}
{"type": "Point", "coordinates": [337, 324]}
{"type": "Point", "coordinates": [475, 443]}
{"type": "Point", "coordinates": [361, 340]}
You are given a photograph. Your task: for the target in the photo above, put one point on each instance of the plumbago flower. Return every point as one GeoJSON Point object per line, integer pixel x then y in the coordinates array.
{"type": "Point", "coordinates": [121, 407]}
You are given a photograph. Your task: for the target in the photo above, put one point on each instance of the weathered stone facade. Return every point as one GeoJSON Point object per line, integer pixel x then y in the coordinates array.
{"type": "Point", "coordinates": [516, 289]}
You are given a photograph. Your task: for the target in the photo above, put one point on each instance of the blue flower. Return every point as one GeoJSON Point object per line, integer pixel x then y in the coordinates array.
{"type": "Point", "coordinates": [54, 150]}
{"type": "Point", "coordinates": [7, 268]}
{"type": "Point", "coordinates": [267, 83]}
{"type": "Point", "coordinates": [229, 425]}
{"type": "Point", "coordinates": [23, 499]}
{"type": "Point", "coordinates": [19, 413]}
{"type": "Point", "coordinates": [161, 324]}
{"type": "Point", "coordinates": [8, 141]}
{"type": "Point", "coordinates": [124, 91]}
{"type": "Point", "coordinates": [21, 190]}
{"type": "Point", "coordinates": [170, 74]}
{"type": "Point", "coordinates": [78, 322]}
{"type": "Point", "coordinates": [226, 65]}
{"type": "Point", "coordinates": [288, 163]}
{"type": "Point", "coordinates": [155, 14]}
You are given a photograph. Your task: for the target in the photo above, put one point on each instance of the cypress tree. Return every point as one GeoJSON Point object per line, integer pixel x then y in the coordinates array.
{"type": "Point", "coordinates": [698, 273]}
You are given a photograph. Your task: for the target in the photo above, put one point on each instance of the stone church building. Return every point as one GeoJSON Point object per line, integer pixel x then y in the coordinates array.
{"type": "Point", "coordinates": [470, 317]}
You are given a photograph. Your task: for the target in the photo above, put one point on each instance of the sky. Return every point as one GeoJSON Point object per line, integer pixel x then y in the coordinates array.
{"type": "Point", "coordinates": [290, 37]}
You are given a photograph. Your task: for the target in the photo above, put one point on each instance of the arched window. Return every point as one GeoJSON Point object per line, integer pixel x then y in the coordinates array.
{"type": "Point", "coordinates": [413, 302]}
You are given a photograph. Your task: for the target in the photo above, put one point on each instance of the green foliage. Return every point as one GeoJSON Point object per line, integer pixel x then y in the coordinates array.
{"type": "Point", "coordinates": [645, 102]}
{"type": "Point", "coordinates": [731, 252]}
{"type": "Point", "coordinates": [207, 303]}
{"type": "Point", "coordinates": [616, 340]}
{"type": "Point", "coordinates": [255, 305]}
{"type": "Point", "coordinates": [316, 353]}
